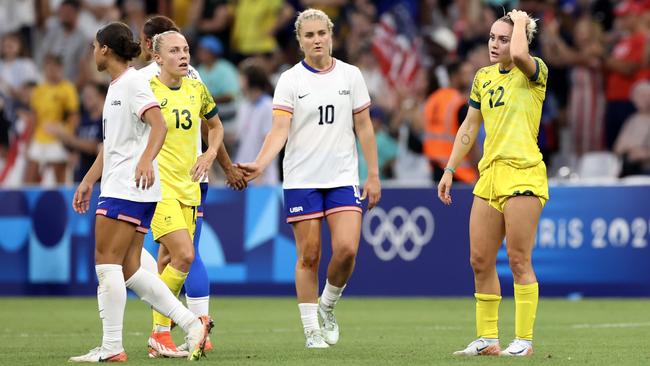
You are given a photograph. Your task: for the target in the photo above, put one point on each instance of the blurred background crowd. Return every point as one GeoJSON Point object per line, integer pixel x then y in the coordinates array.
{"type": "Point", "coordinates": [418, 59]}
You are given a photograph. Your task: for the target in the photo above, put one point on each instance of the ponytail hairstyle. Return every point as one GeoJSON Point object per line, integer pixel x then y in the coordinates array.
{"type": "Point", "coordinates": [118, 37]}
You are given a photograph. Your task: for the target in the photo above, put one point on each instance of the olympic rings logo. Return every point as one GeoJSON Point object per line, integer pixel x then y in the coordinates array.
{"type": "Point", "coordinates": [397, 237]}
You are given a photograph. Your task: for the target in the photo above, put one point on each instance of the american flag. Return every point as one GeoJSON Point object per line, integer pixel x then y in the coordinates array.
{"type": "Point", "coordinates": [397, 46]}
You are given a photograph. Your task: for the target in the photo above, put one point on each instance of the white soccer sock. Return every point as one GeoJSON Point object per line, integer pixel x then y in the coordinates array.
{"type": "Point", "coordinates": [111, 298]}
{"type": "Point", "coordinates": [152, 290]}
{"type": "Point", "coordinates": [331, 294]}
{"type": "Point", "coordinates": [309, 316]}
{"type": "Point", "coordinates": [198, 305]}
{"type": "Point", "coordinates": [148, 262]}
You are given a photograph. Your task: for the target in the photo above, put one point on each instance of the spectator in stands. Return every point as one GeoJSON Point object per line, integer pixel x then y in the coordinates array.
{"type": "Point", "coordinates": [54, 101]}
{"type": "Point", "coordinates": [63, 38]}
{"type": "Point", "coordinates": [624, 67]}
{"type": "Point", "coordinates": [87, 140]}
{"type": "Point", "coordinates": [444, 110]}
{"type": "Point", "coordinates": [212, 17]}
{"type": "Point", "coordinates": [221, 78]}
{"type": "Point", "coordinates": [586, 106]}
{"type": "Point", "coordinates": [255, 24]}
{"type": "Point", "coordinates": [254, 118]}
{"type": "Point", "coordinates": [633, 143]}
{"type": "Point", "coordinates": [15, 68]}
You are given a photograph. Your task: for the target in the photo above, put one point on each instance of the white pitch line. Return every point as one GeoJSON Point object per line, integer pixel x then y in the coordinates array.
{"type": "Point", "coordinates": [611, 325]}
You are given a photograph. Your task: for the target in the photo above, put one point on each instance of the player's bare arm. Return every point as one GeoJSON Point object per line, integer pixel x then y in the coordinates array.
{"type": "Point", "coordinates": [519, 43]}
{"type": "Point", "coordinates": [215, 139]}
{"type": "Point", "coordinates": [144, 171]}
{"type": "Point", "coordinates": [81, 198]}
{"type": "Point", "coordinates": [273, 143]}
{"type": "Point", "coordinates": [465, 139]}
{"type": "Point", "coordinates": [366, 136]}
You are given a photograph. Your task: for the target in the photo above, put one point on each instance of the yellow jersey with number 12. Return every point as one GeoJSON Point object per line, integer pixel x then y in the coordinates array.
{"type": "Point", "coordinates": [182, 109]}
{"type": "Point", "coordinates": [511, 105]}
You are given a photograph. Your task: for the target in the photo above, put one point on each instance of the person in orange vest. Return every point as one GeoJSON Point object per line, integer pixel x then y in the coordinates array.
{"type": "Point", "coordinates": [443, 111]}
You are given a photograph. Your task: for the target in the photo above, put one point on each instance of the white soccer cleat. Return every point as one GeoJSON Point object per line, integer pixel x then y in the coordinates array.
{"type": "Point", "coordinates": [98, 354]}
{"type": "Point", "coordinates": [197, 336]}
{"type": "Point", "coordinates": [330, 328]}
{"type": "Point", "coordinates": [518, 348]}
{"type": "Point", "coordinates": [481, 347]}
{"type": "Point", "coordinates": [314, 339]}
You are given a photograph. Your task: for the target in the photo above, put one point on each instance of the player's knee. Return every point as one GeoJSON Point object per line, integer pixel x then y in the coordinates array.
{"type": "Point", "coordinates": [183, 261]}
{"type": "Point", "coordinates": [346, 254]}
{"type": "Point", "coordinates": [481, 263]}
{"type": "Point", "coordinates": [108, 255]}
{"type": "Point", "coordinates": [520, 264]}
{"type": "Point", "coordinates": [309, 259]}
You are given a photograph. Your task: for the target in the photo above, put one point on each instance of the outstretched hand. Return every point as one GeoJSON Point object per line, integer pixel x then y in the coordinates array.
{"type": "Point", "coordinates": [251, 170]}
{"type": "Point", "coordinates": [235, 178]}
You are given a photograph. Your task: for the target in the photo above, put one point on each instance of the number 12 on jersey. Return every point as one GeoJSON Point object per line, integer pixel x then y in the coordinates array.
{"type": "Point", "coordinates": [326, 114]}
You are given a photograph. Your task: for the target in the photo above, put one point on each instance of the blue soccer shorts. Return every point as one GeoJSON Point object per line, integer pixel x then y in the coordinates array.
{"type": "Point", "coordinates": [312, 203]}
{"type": "Point", "coordinates": [137, 213]}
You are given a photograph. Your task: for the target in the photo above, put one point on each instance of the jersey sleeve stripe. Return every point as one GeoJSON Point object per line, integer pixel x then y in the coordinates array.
{"type": "Point", "coordinates": [536, 74]}
{"type": "Point", "coordinates": [147, 107]}
{"type": "Point", "coordinates": [474, 103]}
{"type": "Point", "coordinates": [361, 109]}
{"type": "Point", "coordinates": [212, 113]}
{"type": "Point", "coordinates": [283, 108]}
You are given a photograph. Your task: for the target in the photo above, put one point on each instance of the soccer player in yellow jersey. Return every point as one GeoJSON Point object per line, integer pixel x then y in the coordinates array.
{"type": "Point", "coordinates": [183, 102]}
{"type": "Point", "coordinates": [512, 188]}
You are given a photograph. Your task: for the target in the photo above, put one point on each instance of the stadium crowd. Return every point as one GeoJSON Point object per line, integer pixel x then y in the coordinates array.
{"type": "Point", "coordinates": [418, 59]}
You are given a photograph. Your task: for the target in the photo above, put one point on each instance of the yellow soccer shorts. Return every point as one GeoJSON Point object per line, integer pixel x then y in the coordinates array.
{"type": "Point", "coordinates": [172, 215]}
{"type": "Point", "coordinates": [501, 181]}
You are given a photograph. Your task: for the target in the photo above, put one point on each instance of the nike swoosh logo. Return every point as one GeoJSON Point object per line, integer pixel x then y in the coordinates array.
{"type": "Point", "coordinates": [100, 202]}
{"type": "Point", "coordinates": [479, 350]}
{"type": "Point", "coordinates": [516, 353]}
{"type": "Point", "coordinates": [487, 83]}
{"type": "Point", "coordinates": [302, 96]}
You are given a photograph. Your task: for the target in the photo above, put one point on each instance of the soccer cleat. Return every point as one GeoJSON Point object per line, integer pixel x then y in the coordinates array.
{"type": "Point", "coordinates": [481, 347]}
{"type": "Point", "coordinates": [314, 339]}
{"type": "Point", "coordinates": [330, 329]}
{"type": "Point", "coordinates": [100, 355]}
{"type": "Point", "coordinates": [208, 346]}
{"type": "Point", "coordinates": [161, 344]}
{"type": "Point", "coordinates": [518, 348]}
{"type": "Point", "coordinates": [197, 338]}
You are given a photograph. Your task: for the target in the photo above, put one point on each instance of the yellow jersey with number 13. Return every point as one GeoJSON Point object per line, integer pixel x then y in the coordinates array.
{"type": "Point", "coordinates": [511, 105]}
{"type": "Point", "coordinates": [182, 109]}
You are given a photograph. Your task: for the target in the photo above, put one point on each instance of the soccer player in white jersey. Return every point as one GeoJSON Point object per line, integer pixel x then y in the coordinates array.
{"type": "Point", "coordinates": [197, 284]}
{"type": "Point", "coordinates": [134, 132]}
{"type": "Point", "coordinates": [318, 105]}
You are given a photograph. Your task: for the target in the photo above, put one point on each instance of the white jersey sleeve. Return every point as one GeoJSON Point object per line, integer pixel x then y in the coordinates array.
{"type": "Point", "coordinates": [285, 93]}
{"type": "Point", "coordinates": [142, 97]}
{"type": "Point", "coordinates": [360, 96]}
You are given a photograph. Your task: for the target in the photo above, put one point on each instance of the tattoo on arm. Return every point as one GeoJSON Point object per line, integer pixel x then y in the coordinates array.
{"type": "Point", "coordinates": [465, 139]}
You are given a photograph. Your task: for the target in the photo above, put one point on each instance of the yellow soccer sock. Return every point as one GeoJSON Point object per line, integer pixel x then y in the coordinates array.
{"type": "Point", "coordinates": [487, 315]}
{"type": "Point", "coordinates": [174, 279]}
{"type": "Point", "coordinates": [526, 297]}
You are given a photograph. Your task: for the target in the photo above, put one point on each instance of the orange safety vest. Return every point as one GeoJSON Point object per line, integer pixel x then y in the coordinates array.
{"type": "Point", "coordinates": [440, 128]}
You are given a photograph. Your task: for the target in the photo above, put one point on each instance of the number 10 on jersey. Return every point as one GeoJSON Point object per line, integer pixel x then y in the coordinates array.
{"type": "Point", "coordinates": [326, 114]}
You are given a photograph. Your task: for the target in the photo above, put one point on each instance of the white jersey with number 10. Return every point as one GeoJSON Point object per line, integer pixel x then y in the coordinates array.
{"type": "Point", "coordinates": [321, 150]}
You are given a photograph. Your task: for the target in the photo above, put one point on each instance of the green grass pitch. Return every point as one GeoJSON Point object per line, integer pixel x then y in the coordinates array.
{"type": "Point", "coordinates": [374, 331]}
